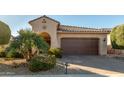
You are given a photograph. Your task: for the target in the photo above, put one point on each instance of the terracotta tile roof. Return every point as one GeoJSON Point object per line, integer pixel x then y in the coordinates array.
{"type": "Point", "coordinates": [66, 28]}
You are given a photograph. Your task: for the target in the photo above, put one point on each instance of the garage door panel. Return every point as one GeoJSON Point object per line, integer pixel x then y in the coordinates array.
{"type": "Point", "coordinates": [85, 46]}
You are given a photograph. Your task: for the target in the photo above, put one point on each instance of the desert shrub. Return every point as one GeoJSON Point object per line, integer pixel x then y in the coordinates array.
{"type": "Point", "coordinates": [42, 63]}
{"type": "Point", "coordinates": [2, 51]}
{"type": "Point", "coordinates": [18, 55]}
{"type": "Point", "coordinates": [13, 54]}
{"type": "Point", "coordinates": [2, 54]}
{"type": "Point", "coordinates": [117, 37]}
{"type": "Point", "coordinates": [56, 51]}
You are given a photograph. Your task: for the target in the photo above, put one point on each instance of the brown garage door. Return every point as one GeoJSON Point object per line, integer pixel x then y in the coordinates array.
{"type": "Point", "coordinates": [83, 46]}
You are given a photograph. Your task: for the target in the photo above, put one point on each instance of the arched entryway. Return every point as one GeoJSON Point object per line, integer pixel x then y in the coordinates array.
{"type": "Point", "coordinates": [46, 37]}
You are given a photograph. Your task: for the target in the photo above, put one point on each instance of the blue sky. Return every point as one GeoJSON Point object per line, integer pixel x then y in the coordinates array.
{"type": "Point", "coordinates": [17, 22]}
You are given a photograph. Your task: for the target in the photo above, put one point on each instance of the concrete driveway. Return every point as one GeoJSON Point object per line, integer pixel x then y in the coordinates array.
{"type": "Point", "coordinates": [100, 65]}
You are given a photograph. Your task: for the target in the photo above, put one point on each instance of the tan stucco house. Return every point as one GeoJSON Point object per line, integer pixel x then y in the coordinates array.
{"type": "Point", "coordinates": [72, 39]}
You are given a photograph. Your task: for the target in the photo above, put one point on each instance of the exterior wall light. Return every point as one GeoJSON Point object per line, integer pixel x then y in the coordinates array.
{"type": "Point", "coordinates": [104, 39]}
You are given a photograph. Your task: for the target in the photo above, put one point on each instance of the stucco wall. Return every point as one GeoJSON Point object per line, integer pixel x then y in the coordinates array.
{"type": "Point", "coordinates": [102, 37]}
{"type": "Point", "coordinates": [51, 29]}
{"type": "Point", "coordinates": [108, 40]}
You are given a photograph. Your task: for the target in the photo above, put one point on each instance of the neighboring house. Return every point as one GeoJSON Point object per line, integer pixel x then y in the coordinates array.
{"type": "Point", "coordinates": [72, 39]}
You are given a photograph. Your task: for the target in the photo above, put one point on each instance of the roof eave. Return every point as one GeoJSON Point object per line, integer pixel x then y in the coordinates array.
{"type": "Point", "coordinates": [44, 17]}
{"type": "Point", "coordinates": [92, 32]}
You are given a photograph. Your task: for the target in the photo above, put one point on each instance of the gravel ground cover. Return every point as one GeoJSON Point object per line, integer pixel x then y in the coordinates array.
{"type": "Point", "coordinates": [19, 67]}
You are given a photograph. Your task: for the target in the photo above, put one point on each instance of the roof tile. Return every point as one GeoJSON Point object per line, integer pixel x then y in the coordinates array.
{"type": "Point", "coordinates": [66, 28]}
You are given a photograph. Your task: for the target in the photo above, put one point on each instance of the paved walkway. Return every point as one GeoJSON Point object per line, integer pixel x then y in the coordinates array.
{"type": "Point", "coordinates": [101, 65]}
{"type": "Point", "coordinates": [97, 71]}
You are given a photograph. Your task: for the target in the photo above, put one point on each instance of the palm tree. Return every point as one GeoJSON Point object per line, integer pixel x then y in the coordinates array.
{"type": "Point", "coordinates": [29, 44]}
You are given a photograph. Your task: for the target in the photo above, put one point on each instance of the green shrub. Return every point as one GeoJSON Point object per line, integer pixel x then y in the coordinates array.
{"type": "Point", "coordinates": [117, 37]}
{"type": "Point", "coordinates": [13, 54]}
{"type": "Point", "coordinates": [2, 54]}
{"type": "Point", "coordinates": [42, 63]}
{"type": "Point", "coordinates": [5, 33]}
{"type": "Point", "coordinates": [29, 44]}
{"type": "Point", "coordinates": [2, 51]}
{"type": "Point", "coordinates": [56, 51]}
